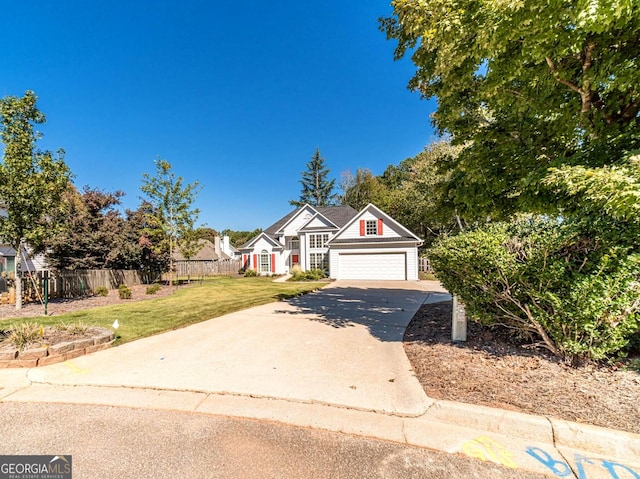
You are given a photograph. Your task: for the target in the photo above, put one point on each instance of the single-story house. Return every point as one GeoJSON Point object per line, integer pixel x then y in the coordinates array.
{"type": "Point", "coordinates": [348, 244]}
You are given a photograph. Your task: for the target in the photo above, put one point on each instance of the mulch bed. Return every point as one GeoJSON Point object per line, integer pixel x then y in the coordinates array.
{"type": "Point", "coordinates": [494, 370]}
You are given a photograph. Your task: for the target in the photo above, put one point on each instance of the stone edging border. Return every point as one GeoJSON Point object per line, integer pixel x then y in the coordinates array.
{"type": "Point", "coordinates": [42, 356]}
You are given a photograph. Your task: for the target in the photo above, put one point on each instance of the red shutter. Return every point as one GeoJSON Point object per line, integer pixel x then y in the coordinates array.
{"type": "Point", "coordinates": [361, 227]}
{"type": "Point", "coordinates": [255, 262]}
{"type": "Point", "coordinates": [273, 263]}
{"type": "Point", "coordinates": [245, 260]}
{"type": "Point", "coordinates": [379, 226]}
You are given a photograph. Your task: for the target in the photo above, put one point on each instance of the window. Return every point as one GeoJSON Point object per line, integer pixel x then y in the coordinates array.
{"type": "Point", "coordinates": [295, 243]}
{"type": "Point", "coordinates": [318, 261]}
{"type": "Point", "coordinates": [265, 261]}
{"type": "Point", "coordinates": [318, 240]}
{"type": "Point", "coordinates": [371, 227]}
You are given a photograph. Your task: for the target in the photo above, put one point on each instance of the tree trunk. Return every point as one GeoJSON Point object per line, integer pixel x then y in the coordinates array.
{"type": "Point", "coordinates": [18, 275]}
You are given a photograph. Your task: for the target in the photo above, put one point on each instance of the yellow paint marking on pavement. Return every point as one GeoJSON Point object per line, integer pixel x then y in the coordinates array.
{"type": "Point", "coordinates": [486, 449]}
{"type": "Point", "coordinates": [74, 368]}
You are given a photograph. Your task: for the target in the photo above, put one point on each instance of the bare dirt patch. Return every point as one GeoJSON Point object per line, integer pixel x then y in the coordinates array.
{"type": "Point", "coordinates": [493, 370]}
{"type": "Point", "coordinates": [61, 306]}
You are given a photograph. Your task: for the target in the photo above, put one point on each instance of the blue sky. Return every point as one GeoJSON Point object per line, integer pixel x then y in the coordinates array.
{"type": "Point", "coordinates": [236, 95]}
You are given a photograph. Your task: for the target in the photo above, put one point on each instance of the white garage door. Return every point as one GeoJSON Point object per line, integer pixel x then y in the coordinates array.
{"type": "Point", "coordinates": [391, 266]}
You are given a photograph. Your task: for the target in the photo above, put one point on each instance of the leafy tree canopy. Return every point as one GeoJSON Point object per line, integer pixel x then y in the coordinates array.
{"type": "Point", "coordinates": [31, 181]}
{"type": "Point", "coordinates": [93, 234]}
{"type": "Point", "coordinates": [525, 86]}
{"type": "Point", "coordinates": [171, 216]}
{"type": "Point", "coordinates": [317, 189]}
{"type": "Point", "coordinates": [238, 238]}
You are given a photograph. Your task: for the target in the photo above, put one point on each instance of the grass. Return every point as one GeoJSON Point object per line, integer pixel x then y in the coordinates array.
{"type": "Point", "coordinates": [188, 305]}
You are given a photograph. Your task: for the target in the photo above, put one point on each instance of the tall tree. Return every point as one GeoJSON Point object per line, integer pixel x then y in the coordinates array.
{"type": "Point", "coordinates": [172, 213]}
{"type": "Point", "coordinates": [420, 201]}
{"type": "Point", "coordinates": [317, 189]}
{"type": "Point", "coordinates": [362, 189]}
{"type": "Point", "coordinates": [31, 181]}
{"type": "Point", "coordinates": [93, 233]}
{"type": "Point", "coordinates": [524, 86]}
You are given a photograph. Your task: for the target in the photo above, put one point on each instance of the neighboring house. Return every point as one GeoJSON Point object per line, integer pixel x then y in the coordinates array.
{"type": "Point", "coordinates": [211, 251]}
{"type": "Point", "coordinates": [206, 252]}
{"type": "Point", "coordinates": [29, 262]}
{"type": "Point", "coordinates": [366, 245]}
{"type": "Point", "coordinates": [228, 249]}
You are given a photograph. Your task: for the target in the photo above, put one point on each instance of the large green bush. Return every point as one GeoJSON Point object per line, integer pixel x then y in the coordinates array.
{"type": "Point", "coordinates": [559, 282]}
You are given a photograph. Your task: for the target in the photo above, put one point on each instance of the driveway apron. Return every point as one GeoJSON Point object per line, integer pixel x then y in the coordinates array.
{"type": "Point", "coordinates": [341, 346]}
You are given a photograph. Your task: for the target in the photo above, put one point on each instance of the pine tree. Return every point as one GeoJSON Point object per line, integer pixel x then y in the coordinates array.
{"type": "Point", "coordinates": [317, 189]}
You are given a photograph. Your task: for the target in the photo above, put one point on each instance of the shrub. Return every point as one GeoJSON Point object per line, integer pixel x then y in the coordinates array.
{"type": "Point", "coordinates": [550, 280]}
{"type": "Point", "coordinates": [311, 275]}
{"type": "Point", "coordinates": [251, 273]}
{"type": "Point", "coordinates": [102, 291]}
{"type": "Point", "coordinates": [21, 335]}
{"type": "Point", "coordinates": [153, 289]}
{"type": "Point", "coordinates": [124, 292]}
{"type": "Point", "coordinates": [74, 329]}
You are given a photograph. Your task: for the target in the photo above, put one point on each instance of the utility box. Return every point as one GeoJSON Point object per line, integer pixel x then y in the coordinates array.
{"type": "Point", "coordinates": [458, 321]}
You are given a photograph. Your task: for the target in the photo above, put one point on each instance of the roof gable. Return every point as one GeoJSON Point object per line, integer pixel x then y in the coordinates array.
{"type": "Point", "coordinates": [393, 231]}
{"type": "Point", "coordinates": [283, 223]}
{"type": "Point", "coordinates": [318, 222]}
{"type": "Point", "coordinates": [269, 238]}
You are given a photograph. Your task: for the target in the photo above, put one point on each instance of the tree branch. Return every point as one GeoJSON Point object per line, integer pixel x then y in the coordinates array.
{"type": "Point", "coordinates": [556, 75]}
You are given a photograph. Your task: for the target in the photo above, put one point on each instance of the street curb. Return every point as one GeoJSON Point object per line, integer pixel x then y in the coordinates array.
{"type": "Point", "coordinates": [559, 432]}
{"type": "Point", "coordinates": [498, 421]}
{"type": "Point", "coordinates": [595, 439]}
{"type": "Point", "coordinates": [488, 434]}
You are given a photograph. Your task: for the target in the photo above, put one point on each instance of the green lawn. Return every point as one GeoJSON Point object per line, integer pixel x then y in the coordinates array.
{"type": "Point", "coordinates": [188, 305]}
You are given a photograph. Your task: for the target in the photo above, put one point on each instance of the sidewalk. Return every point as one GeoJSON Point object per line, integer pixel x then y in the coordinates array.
{"type": "Point", "coordinates": [331, 360]}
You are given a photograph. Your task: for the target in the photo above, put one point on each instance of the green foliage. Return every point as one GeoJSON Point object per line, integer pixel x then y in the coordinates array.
{"type": "Point", "coordinates": [251, 273]}
{"type": "Point", "coordinates": [92, 233]}
{"type": "Point", "coordinates": [523, 86]}
{"type": "Point", "coordinates": [153, 289]}
{"type": "Point", "coordinates": [413, 192]}
{"type": "Point", "coordinates": [170, 217]}
{"type": "Point", "coordinates": [317, 189]}
{"type": "Point", "coordinates": [362, 189]}
{"type": "Point", "coordinates": [554, 280]}
{"type": "Point", "coordinates": [102, 291]}
{"type": "Point", "coordinates": [238, 238]}
{"type": "Point", "coordinates": [124, 291]}
{"type": "Point", "coordinates": [31, 181]}
{"type": "Point", "coordinates": [310, 275]}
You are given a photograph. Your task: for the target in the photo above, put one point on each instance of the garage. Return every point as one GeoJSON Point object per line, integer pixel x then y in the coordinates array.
{"type": "Point", "coordinates": [373, 266]}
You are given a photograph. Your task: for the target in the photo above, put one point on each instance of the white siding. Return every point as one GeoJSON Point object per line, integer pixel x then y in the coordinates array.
{"type": "Point", "coordinates": [353, 231]}
{"type": "Point", "coordinates": [381, 261]}
{"type": "Point", "coordinates": [298, 222]}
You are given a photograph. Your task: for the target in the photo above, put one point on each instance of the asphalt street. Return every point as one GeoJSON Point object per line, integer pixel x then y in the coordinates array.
{"type": "Point", "coordinates": [111, 442]}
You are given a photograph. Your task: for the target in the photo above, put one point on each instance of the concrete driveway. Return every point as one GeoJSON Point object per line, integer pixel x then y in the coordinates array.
{"type": "Point", "coordinates": [339, 346]}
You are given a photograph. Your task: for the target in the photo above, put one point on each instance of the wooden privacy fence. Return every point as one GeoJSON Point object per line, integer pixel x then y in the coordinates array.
{"type": "Point", "coordinates": [199, 268]}
{"type": "Point", "coordinates": [70, 284]}
{"type": "Point", "coordinates": [424, 265]}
